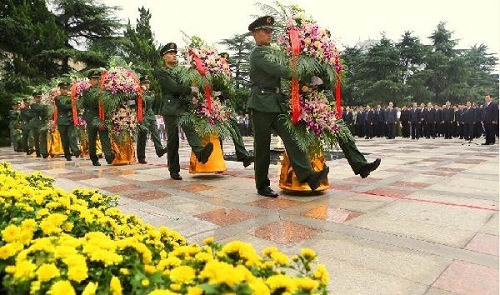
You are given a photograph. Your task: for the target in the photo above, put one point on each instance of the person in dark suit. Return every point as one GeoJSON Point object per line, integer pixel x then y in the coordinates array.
{"type": "Point", "coordinates": [405, 121]}
{"type": "Point", "coordinates": [379, 122]}
{"type": "Point", "coordinates": [149, 124]}
{"type": "Point", "coordinates": [90, 104]}
{"type": "Point", "coordinates": [415, 121]}
{"type": "Point", "coordinates": [267, 104]}
{"type": "Point", "coordinates": [368, 119]}
{"type": "Point", "coordinates": [176, 98]}
{"type": "Point", "coordinates": [391, 117]}
{"type": "Point", "coordinates": [38, 125]}
{"type": "Point", "coordinates": [348, 118]}
{"type": "Point", "coordinates": [490, 119]}
{"type": "Point", "coordinates": [429, 119]}
{"type": "Point", "coordinates": [448, 117]}
{"type": "Point", "coordinates": [65, 123]}
{"type": "Point", "coordinates": [469, 118]}
{"type": "Point", "coordinates": [360, 122]}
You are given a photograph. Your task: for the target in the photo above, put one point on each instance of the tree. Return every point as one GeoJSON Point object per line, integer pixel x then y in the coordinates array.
{"type": "Point", "coordinates": [90, 25]}
{"type": "Point", "coordinates": [240, 46]}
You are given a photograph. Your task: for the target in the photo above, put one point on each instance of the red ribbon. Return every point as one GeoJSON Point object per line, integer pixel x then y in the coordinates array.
{"type": "Point", "coordinates": [73, 105]}
{"type": "Point", "coordinates": [139, 101]}
{"type": "Point", "coordinates": [295, 101]}
{"type": "Point", "coordinates": [201, 69]}
{"type": "Point", "coordinates": [338, 101]}
{"type": "Point", "coordinates": [101, 104]}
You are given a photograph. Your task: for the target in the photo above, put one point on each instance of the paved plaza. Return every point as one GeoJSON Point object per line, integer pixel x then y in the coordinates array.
{"type": "Point", "coordinates": [426, 222]}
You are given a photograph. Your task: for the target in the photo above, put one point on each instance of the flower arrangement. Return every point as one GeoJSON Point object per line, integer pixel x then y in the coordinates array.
{"type": "Point", "coordinates": [315, 41]}
{"type": "Point", "coordinates": [120, 88]}
{"type": "Point", "coordinates": [204, 67]}
{"type": "Point", "coordinates": [318, 126]}
{"type": "Point", "coordinates": [314, 59]}
{"type": "Point", "coordinates": [56, 242]}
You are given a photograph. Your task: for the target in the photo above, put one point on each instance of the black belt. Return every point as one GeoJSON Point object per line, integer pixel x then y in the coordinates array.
{"type": "Point", "coordinates": [266, 89]}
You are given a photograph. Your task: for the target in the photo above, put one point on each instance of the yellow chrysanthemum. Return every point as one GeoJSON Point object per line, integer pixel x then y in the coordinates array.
{"type": "Point", "coordinates": [8, 250]}
{"type": "Point", "coordinates": [194, 291]}
{"type": "Point", "coordinates": [162, 292]}
{"type": "Point", "coordinates": [62, 288]}
{"type": "Point", "coordinates": [280, 258]}
{"type": "Point", "coordinates": [90, 289]}
{"type": "Point", "coordinates": [115, 286]}
{"type": "Point", "coordinates": [208, 241]}
{"type": "Point", "coordinates": [321, 274]}
{"type": "Point", "coordinates": [306, 283]}
{"type": "Point", "coordinates": [24, 270]}
{"type": "Point", "coordinates": [259, 287]}
{"type": "Point", "coordinates": [11, 233]}
{"type": "Point", "coordinates": [145, 282]}
{"type": "Point", "coordinates": [47, 271]}
{"type": "Point", "coordinates": [281, 282]}
{"type": "Point", "coordinates": [307, 253]}
{"type": "Point", "coordinates": [183, 274]}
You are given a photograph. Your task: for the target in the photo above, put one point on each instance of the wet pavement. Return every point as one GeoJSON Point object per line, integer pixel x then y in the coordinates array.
{"type": "Point", "coordinates": [426, 222]}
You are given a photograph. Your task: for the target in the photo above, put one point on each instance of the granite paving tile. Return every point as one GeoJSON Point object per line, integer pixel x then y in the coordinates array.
{"type": "Point", "coordinates": [225, 216]}
{"type": "Point", "coordinates": [146, 195]}
{"type": "Point", "coordinates": [285, 232]}
{"type": "Point", "coordinates": [331, 214]}
{"type": "Point", "coordinates": [484, 243]}
{"type": "Point", "coordinates": [185, 206]}
{"type": "Point", "coordinates": [270, 203]}
{"type": "Point", "coordinates": [467, 278]}
{"type": "Point", "coordinates": [121, 188]}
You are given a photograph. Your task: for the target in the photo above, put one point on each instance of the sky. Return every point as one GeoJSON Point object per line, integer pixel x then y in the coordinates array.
{"type": "Point", "coordinates": [472, 22]}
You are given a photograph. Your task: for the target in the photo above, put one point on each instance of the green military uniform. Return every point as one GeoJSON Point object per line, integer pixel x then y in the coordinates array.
{"type": "Point", "coordinates": [175, 103]}
{"type": "Point", "coordinates": [267, 106]}
{"type": "Point", "coordinates": [242, 154]}
{"type": "Point", "coordinates": [150, 125]}
{"type": "Point", "coordinates": [66, 127]}
{"type": "Point", "coordinates": [14, 127]}
{"type": "Point", "coordinates": [90, 104]}
{"type": "Point", "coordinates": [27, 136]}
{"type": "Point", "coordinates": [38, 125]}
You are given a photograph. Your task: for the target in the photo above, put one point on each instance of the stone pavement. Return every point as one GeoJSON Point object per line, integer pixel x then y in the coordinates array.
{"type": "Point", "coordinates": [426, 222]}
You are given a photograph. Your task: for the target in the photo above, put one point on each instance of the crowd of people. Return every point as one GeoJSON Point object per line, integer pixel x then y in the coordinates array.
{"type": "Point", "coordinates": [464, 121]}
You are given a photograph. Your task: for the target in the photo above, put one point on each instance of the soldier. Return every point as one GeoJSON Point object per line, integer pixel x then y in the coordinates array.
{"type": "Point", "coordinates": [38, 125]}
{"type": "Point", "coordinates": [14, 126]}
{"type": "Point", "coordinates": [25, 116]}
{"type": "Point", "coordinates": [265, 104]}
{"type": "Point", "coordinates": [65, 121]}
{"type": "Point", "coordinates": [242, 154]}
{"type": "Point", "coordinates": [176, 98]}
{"type": "Point", "coordinates": [90, 103]}
{"type": "Point", "coordinates": [149, 124]}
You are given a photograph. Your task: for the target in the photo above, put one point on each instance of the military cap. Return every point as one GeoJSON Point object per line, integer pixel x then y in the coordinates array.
{"type": "Point", "coordinates": [170, 47]}
{"type": "Point", "coordinates": [94, 73]}
{"type": "Point", "coordinates": [37, 93]}
{"type": "Point", "coordinates": [263, 22]}
{"type": "Point", "coordinates": [224, 55]}
{"type": "Point", "coordinates": [64, 84]}
{"type": "Point", "coordinates": [144, 79]}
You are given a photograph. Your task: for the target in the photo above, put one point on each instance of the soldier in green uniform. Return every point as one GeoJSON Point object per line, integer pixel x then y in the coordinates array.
{"type": "Point", "coordinates": [90, 104]}
{"type": "Point", "coordinates": [27, 136]}
{"type": "Point", "coordinates": [176, 98]}
{"type": "Point", "coordinates": [242, 155]}
{"type": "Point", "coordinates": [65, 123]}
{"type": "Point", "coordinates": [267, 104]}
{"type": "Point", "coordinates": [149, 124]}
{"type": "Point", "coordinates": [38, 125]}
{"type": "Point", "coordinates": [14, 127]}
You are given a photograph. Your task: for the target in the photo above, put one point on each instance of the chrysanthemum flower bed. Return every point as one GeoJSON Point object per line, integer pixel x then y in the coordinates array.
{"type": "Point", "coordinates": [57, 242]}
